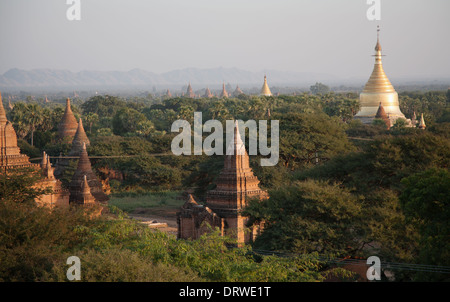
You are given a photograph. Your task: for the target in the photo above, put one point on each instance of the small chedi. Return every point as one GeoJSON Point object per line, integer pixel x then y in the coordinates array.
{"type": "Point", "coordinates": [236, 184]}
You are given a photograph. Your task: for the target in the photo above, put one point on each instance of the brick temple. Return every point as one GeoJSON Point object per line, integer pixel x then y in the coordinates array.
{"type": "Point", "coordinates": [236, 184]}
{"type": "Point", "coordinates": [85, 188]}
{"type": "Point", "coordinates": [12, 160]}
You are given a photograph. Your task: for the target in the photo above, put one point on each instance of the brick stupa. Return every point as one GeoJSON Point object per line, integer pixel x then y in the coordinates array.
{"type": "Point", "coordinates": [11, 159]}
{"type": "Point", "coordinates": [236, 184]}
{"type": "Point", "coordinates": [79, 139]}
{"type": "Point", "coordinates": [84, 169]}
{"type": "Point", "coordinates": [68, 125]}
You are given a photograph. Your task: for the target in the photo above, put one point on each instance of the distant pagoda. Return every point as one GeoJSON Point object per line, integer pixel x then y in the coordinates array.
{"type": "Point", "coordinates": [265, 90]}
{"type": "Point", "coordinates": [235, 185]}
{"type": "Point", "coordinates": [68, 125]}
{"type": "Point", "coordinates": [190, 93]}
{"type": "Point", "coordinates": [224, 93]}
{"type": "Point", "coordinates": [237, 92]}
{"type": "Point", "coordinates": [208, 93]}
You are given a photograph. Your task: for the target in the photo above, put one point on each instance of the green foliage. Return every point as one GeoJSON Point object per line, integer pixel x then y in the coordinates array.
{"type": "Point", "coordinates": [309, 216]}
{"type": "Point", "coordinates": [426, 204]}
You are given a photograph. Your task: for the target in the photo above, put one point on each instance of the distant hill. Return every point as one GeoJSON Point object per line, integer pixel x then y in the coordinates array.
{"type": "Point", "coordinates": [43, 78]}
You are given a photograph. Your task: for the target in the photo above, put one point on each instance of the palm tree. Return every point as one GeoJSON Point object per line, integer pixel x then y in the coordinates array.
{"type": "Point", "coordinates": [34, 117]}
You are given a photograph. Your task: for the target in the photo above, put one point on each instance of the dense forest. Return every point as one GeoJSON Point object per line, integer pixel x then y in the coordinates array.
{"type": "Point", "coordinates": [340, 189]}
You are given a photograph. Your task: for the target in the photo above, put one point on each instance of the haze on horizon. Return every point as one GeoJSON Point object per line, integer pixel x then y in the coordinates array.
{"type": "Point", "coordinates": [325, 36]}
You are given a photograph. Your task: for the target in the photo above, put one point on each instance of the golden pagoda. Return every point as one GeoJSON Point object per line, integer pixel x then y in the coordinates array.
{"type": "Point", "coordinates": [265, 90]}
{"type": "Point", "coordinates": [379, 90]}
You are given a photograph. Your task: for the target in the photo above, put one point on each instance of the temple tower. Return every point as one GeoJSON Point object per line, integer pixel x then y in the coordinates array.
{"type": "Point", "coordinates": [236, 184]}
{"type": "Point", "coordinates": [68, 125]}
{"type": "Point", "coordinates": [265, 90]}
{"type": "Point", "coordinates": [379, 89]}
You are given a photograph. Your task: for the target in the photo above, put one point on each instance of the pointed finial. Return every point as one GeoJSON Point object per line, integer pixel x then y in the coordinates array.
{"type": "Point", "coordinates": [378, 46]}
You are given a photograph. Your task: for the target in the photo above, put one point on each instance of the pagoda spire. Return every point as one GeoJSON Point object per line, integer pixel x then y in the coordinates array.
{"type": "Point", "coordinates": [378, 81]}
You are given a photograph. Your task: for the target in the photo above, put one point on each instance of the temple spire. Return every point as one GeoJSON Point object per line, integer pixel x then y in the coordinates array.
{"type": "Point", "coordinates": [378, 81]}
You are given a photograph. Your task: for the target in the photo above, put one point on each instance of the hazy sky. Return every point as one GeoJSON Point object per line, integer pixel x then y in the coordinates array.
{"type": "Point", "coordinates": [324, 36]}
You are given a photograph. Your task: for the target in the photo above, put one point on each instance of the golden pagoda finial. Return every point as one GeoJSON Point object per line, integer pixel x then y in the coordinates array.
{"type": "Point", "coordinates": [378, 46]}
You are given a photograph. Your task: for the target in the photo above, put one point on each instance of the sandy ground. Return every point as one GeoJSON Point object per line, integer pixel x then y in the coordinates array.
{"type": "Point", "coordinates": [161, 218]}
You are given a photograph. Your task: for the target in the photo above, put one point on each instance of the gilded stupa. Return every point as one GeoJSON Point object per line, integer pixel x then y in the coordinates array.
{"type": "Point", "coordinates": [378, 90]}
{"type": "Point", "coordinates": [265, 90]}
